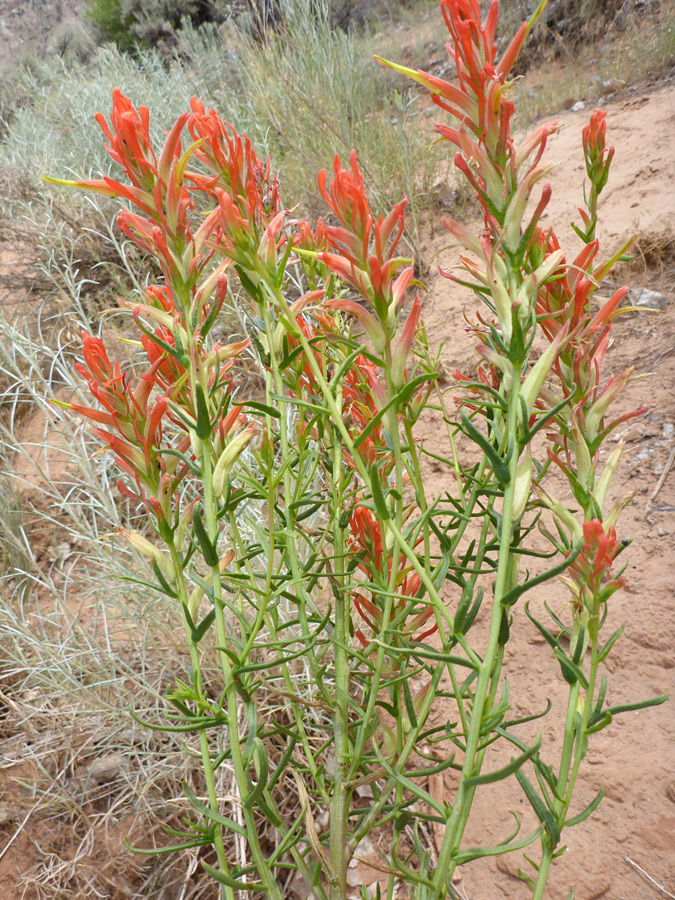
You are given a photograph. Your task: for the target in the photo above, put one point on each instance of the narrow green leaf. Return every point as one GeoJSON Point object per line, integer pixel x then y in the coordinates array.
{"type": "Point", "coordinates": [188, 617]}
{"type": "Point", "coordinates": [396, 401]}
{"type": "Point", "coordinates": [579, 647]}
{"type": "Point", "coordinates": [310, 509]}
{"type": "Point", "coordinates": [607, 646]}
{"type": "Point", "coordinates": [531, 717]}
{"type": "Point", "coordinates": [415, 789]}
{"type": "Point", "coordinates": [543, 630]}
{"type": "Point", "coordinates": [209, 814]}
{"type": "Point", "coordinates": [207, 548]}
{"type": "Point", "coordinates": [499, 466]}
{"type": "Point", "coordinates": [434, 770]}
{"type": "Point", "coordinates": [542, 420]}
{"type": "Point", "coordinates": [248, 285]}
{"type": "Point", "coordinates": [639, 704]}
{"type": "Point", "coordinates": [558, 621]}
{"type": "Point", "coordinates": [575, 820]}
{"type": "Point", "coordinates": [597, 721]}
{"type": "Point", "coordinates": [203, 428]}
{"type": "Point", "coordinates": [409, 705]}
{"type": "Point", "coordinates": [473, 612]}
{"type": "Point", "coordinates": [164, 585]}
{"type": "Point", "coordinates": [570, 670]}
{"type": "Point", "coordinates": [283, 762]}
{"type": "Point", "coordinates": [504, 629]}
{"type": "Point", "coordinates": [292, 836]}
{"type": "Point", "coordinates": [197, 724]}
{"type": "Point", "coordinates": [378, 495]}
{"type": "Point", "coordinates": [518, 590]}
{"type": "Point", "coordinates": [465, 856]}
{"type": "Point", "coordinates": [263, 408]}
{"type": "Point", "coordinates": [220, 876]}
{"type": "Point", "coordinates": [543, 812]}
{"type": "Point", "coordinates": [262, 773]}
{"type": "Point", "coordinates": [168, 348]}
{"type": "Point", "coordinates": [602, 693]}
{"type": "Point", "coordinates": [169, 848]}
{"type": "Point", "coordinates": [200, 630]}
{"type": "Point", "coordinates": [514, 766]}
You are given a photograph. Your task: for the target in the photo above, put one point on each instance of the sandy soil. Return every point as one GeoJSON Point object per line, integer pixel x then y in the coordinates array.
{"type": "Point", "coordinates": [634, 758]}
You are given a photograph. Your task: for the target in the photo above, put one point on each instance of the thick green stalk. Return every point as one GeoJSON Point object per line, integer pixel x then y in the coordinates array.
{"type": "Point", "coordinates": [398, 463]}
{"type": "Point", "coordinates": [210, 512]}
{"type": "Point", "coordinates": [288, 681]}
{"type": "Point", "coordinates": [339, 801]}
{"type": "Point", "coordinates": [399, 767]}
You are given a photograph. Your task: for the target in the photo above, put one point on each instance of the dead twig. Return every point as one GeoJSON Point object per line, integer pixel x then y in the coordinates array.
{"type": "Point", "coordinates": [663, 477]}
{"type": "Point", "coordinates": [18, 831]}
{"type": "Point", "coordinates": [649, 877]}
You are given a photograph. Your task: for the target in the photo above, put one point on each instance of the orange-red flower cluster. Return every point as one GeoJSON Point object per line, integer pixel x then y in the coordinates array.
{"type": "Point", "coordinates": [375, 561]}
{"type": "Point", "coordinates": [366, 249]}
{"type": "Point", "coordinates": [598, 156]}
{"type": "Point", "coordinates": [591, 570]}
{"type": "Point", "coordinates": [133, 420]}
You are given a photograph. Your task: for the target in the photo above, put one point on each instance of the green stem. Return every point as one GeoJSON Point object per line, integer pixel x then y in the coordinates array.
{"type": "Point", "coordinates": [574, 749]}
{"type": "Point", "coordinates": [336, 417]}
{"type": "Point", "coordinates": [341, 798]}
{"type": "Point", "coordinates": [317, 774]}
{"type": "Point", "coordinates": [488, 675]}
{"type": "Point", "coordinates": [240, 766]}
{"type": "Point", "coordinates": [209, 774]}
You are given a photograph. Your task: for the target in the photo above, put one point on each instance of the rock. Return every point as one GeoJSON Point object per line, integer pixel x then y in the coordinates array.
{"type": "Point", "coordinates": [578, 106]}
{"type": "Point", "coordinates": [647, 298]}
{"type": "Point", "coordinates": [10, 813]}
{"type": "Point", "coordinates": [444, 196]}
{"type": "Point", "coordinates": [599, 890]}
{"type": "Point", "coordinates": [104, 769]}
{"type": "Point", "coordinates": [354, 876]}
{"type": "Point", "coordinates": [298, 889]}
{"type": "Point", "coordinates": [509, 864]}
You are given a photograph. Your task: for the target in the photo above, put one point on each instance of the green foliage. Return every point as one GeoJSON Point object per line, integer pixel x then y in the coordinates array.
{"type": "Point", "coordinates": [110, 22]}
{"type": "Point", "coordinates": [130, 23]}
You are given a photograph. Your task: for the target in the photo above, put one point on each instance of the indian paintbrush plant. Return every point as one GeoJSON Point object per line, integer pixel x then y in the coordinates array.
{"type": "Point", "coordinates": [293, 527]}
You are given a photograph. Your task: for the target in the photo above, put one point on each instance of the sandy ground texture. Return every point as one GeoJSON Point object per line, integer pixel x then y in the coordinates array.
{"type": "Point", "coordinates": [630, 839]}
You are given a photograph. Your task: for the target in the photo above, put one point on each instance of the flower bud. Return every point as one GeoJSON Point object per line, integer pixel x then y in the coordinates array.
{"type": "Point", "coordinates": [523, 483]}
{"type": "Point", "coordinates": [228, 458]}
{"type": "Point", "coordinates": [146, 548]}
{"type": "Point", "coordinates": [556, 507]}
